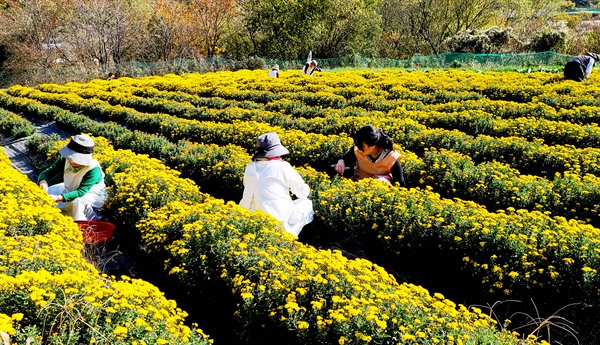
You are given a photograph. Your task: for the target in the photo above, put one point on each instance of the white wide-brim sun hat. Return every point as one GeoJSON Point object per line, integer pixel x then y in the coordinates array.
{"type": "Point", "coordinates": [79, 150]}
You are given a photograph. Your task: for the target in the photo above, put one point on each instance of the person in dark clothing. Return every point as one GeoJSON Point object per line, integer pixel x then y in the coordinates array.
{"type": "Point", "coordinates": [373, 155]}
{"type": "Point", "coordinates": [580, 67]}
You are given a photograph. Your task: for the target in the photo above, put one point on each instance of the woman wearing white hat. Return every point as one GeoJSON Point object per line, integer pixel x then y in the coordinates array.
{"type": "Point", "coordinates": [268, 181]}
{"type": "Point", "coordinates": [274, 72]}
{"type": "Point", "coordinates": [76, 180]}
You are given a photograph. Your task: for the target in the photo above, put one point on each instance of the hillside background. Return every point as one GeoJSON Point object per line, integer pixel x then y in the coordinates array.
{"type": "Point", "coordinates": [79, 39]}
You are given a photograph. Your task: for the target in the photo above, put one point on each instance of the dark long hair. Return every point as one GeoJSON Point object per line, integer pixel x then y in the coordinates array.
{"type": "Point", "coordinates": [373, 136]}
{"type": "Point", "coordinates": [258, 153]}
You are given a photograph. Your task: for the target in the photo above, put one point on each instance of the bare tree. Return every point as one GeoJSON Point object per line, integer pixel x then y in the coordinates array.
{"type": "Point", "coordinates": [526, 12]}
{"type": "Point", "coordinates": [32, 31]}
{"type": "Point", "coordinates": [213, 19]}
{"type": "Point", "coordinates": [170, 32]}
{"type": "Point", "coordinates": [413, 27]}
{"type": "Point", "coordinates": [430, 19]}
{"type": "Point", "coordinates": [417, 26]}
{"type": "Point", "coordinates": [106, 30]}
{"type": "Point", "coordinates": [471, 14]}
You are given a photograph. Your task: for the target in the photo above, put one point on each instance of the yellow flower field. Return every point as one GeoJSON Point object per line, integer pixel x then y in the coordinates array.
{"type": "Point", "coordinates": [502, 176]}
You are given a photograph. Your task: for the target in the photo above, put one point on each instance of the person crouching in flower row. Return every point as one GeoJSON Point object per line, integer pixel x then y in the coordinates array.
{"type": "Point", "coordinates": [373, 155]}
{"type": "Point", "coordinates": [76, 181]}
{"type": "Point", "coordinates": [268, 181]}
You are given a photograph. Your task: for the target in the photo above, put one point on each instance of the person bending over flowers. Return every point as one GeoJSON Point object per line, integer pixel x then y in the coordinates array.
{"type": "Point", "coordinates": [373, 155]}
{"type": "Point", "coordinates": [76, 180]}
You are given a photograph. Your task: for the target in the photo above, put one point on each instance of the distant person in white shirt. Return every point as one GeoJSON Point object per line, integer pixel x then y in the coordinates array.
{"type": "Point", "coordinates": [268, 181]}
{"type": "Point", "coordinates": [580, 67]}
{"type": "Point", "coordinates": [310, 67]}
{"type": "Point", "coordinates": [274, 72]}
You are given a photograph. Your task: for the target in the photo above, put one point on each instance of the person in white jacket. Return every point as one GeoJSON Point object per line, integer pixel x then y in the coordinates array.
{"type": "Point", "coordinates": [268, 181]}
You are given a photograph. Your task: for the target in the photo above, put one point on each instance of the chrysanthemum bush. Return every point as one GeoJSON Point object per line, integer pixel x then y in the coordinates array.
{"type": "Point", "coordinates": [319, 295]}
{"type": "Point", "coordinates": [514, 252]}
{"type": "Point", "coordinates": [560, 163]}
{"type": "Point", "coordinates": [476, 118]}
{"type": "Point", "coordinates": [322, 296]}
{"type": "Point", "coordinates": [188, 158]}
{"type": "Point", "coordinates": [183, 154]}
{"type": "Point", "coordinates": [505, 94]}
{"type": "Point", "coordinates": [496, 192]}
{"type": "Point", "coordinates": [496, 185]}
{"type": "Point", "coordinates": [51, 295]}
{"type": "Point", "coordinates": [14, 125]}
{"type": "Point", "coordinates": [316, 149]}
{"type": "Point", "coordinates": [489, 168]}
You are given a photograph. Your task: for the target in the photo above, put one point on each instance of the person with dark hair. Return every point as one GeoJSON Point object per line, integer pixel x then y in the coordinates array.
{"type": "Point", "coordinates": [373, 155]}
{"type": "Point", "coordinates": [111, 76]}
{"type": "Point", "coordinates": [268, 181]}
{"type": "Point", "coordinates": [75, 181]}
{"type": "Point", "coordinates": [580, 67]}
{"type": "Point", "coordinates": [310, 67]}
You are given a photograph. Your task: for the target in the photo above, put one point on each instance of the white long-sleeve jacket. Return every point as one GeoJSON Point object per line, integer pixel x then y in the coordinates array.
{"type": "Point", "coordinates": [267, 187]}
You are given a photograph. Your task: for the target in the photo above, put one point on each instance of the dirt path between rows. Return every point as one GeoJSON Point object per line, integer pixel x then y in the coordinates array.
{"type": "Point", "coordinates": [19, 155]}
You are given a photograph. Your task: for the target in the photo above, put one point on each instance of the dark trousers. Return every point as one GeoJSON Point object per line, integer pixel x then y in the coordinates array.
{"type": "Point", "coordinates": [574, 71]}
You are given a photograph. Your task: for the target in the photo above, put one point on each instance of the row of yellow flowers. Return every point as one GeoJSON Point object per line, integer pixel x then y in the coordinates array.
{"type": "Point", "coordinates": [51, 295]}
{"type": "Point", "coordinates": [183, 155]}
{"type": "Point", "coordinates": [572, 194]}
{"type": "Point", "coordinates": [389, 84]}
{"type": "Point", "coordinates": [498, 186]}
{"type": "Point", "coordinates": [431, 87]}
{"type": "Point", "coordinates": [583, 114]}
{"type": "Point", "coordinates": [477, 122]}
{"type": "Point", "coordinates": [136, 188]}
{"type": "Point", "coordinates": [530, 157]}
{"type": "Point", "coordinates": [315, 149]}
{"type": "Point", "coordinates": [557, 105]}
{"type": "Point", "coordinates": [538, 250]}
{"type": "Point", "coordinates": [14, 126]}
{"type": "Point", "coordinates": [470, 121]}
{"type": "Point", "coordinates": [319, 295]}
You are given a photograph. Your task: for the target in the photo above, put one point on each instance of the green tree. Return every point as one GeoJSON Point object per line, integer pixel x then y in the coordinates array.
{"type": "Point", "coordinates": [280, 28]}
{"type": "Point", "coordinates": [289, 29]}
{"type": "Point", "coordinates": [347, 27]}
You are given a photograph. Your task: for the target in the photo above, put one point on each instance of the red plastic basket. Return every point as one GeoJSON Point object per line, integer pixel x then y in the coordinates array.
{"type": "Point", "coordinates": [95, 231]}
